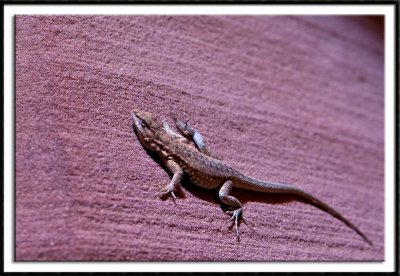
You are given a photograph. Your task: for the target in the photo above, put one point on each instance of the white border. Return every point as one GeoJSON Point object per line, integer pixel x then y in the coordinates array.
{"type": "Point", "coordinates": [386, 266]}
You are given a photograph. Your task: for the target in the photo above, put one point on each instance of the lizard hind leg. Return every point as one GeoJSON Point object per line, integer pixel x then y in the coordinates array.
{"type": "Point", "coordinates": [233, 203]}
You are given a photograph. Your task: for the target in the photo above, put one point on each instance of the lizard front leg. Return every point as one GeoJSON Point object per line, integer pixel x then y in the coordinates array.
{"type": "Point", "coordinates": [233, 202]}
{"type": "Point", "coordinates": [175, 183]}
{"type": "Point", "coordinates": [171, 132]}
{"type": "Point", "coordinates": [189, 132]}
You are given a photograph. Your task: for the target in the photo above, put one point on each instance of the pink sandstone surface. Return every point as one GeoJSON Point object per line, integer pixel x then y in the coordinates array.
{"type": "Point", "coordinates": [294, 99]}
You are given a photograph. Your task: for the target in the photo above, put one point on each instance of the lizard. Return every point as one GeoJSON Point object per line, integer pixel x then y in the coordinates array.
{"type": "Point", "coordinates": [186, 152]}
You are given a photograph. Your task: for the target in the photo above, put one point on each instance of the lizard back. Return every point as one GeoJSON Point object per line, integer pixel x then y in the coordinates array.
{"type": "Point", "coordinates": [204, 171]}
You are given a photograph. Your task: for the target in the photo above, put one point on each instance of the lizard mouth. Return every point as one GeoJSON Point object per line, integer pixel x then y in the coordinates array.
{"type": "Point", "coordinates": [137, 122]}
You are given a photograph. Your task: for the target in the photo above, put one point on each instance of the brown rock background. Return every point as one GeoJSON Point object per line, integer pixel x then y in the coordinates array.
{"type": "Point", "coordinates": [285, 99]}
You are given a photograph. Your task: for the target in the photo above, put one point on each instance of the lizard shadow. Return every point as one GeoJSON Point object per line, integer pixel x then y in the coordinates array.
{"type": "Point", "coordinates": [269, 198]}
{"type": "Point", "coordinates": [211, 195]}
{"type": "Point", "coordinates": [244, 196]}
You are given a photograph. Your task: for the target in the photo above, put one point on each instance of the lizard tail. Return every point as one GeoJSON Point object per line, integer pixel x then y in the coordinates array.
{"type": "Point", "coordinates": [334, 213]}
{"type": "Point", "coordinates": [269, 187]}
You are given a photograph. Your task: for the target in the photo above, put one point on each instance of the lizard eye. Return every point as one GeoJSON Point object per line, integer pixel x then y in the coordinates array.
{"type": "Point", "coordinates": [141, 122]}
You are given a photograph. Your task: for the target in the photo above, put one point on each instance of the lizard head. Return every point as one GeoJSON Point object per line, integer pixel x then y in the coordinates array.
{"type": "Point", "coordinates": [146, 125]}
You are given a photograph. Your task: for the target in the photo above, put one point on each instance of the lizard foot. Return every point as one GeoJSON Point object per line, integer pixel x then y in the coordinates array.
{"type": "Point", "coordinates": [237, 216]}
{"type": "Point", "coordinates": [166, 192]}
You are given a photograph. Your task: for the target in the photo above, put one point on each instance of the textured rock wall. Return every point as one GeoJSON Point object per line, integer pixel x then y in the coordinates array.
{"type": "Point", "coordinates": [285, 99]}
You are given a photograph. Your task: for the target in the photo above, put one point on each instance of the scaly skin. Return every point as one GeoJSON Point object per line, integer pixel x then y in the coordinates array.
{"type": "Point", "coordinates": [185, 152]}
